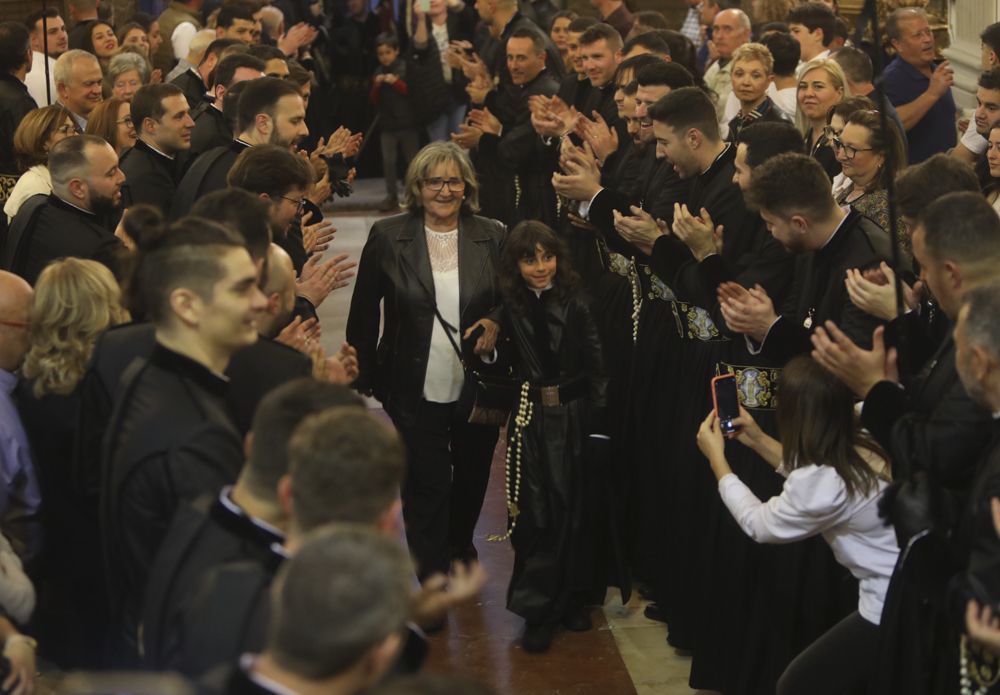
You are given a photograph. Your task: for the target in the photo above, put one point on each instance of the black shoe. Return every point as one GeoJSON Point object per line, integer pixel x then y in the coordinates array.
{"type": "Point", "coordinates": [537, 638]}
{"type": "Point", "coordinates": [577, 620]}
{"type": "Point", "coordinates": [654, 612]}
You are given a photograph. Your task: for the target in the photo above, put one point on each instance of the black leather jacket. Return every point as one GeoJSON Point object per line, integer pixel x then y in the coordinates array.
{"type": "Point", "coordinates": [395, 269]}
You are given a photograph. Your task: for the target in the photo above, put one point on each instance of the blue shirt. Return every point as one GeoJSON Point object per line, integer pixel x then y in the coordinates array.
{"type": "Point", "coordinates": [933, 133]}
{"type": "Point", "coordinates": [19, 493]}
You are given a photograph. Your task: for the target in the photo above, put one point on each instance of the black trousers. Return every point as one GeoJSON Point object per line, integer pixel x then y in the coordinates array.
{"type": "Point", "coordinates": [448, 469]}
{"type": "Point", "coordinates": [841, 661]}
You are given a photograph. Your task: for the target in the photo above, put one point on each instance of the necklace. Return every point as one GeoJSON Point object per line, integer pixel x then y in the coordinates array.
{"type": "Point", "coordinates": [525, 408]}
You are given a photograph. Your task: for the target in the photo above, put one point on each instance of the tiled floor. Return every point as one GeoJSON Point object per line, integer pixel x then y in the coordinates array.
{"type": "Point", "coordinates": [624, 654]}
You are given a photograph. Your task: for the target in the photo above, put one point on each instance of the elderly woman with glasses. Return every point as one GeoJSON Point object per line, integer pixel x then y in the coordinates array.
{"type": "Point", "coordinates": [36, 134]}
{"type": "Point", "coordinates": [126, 73]}
{"type": "Point", "coordinates": [869, 155]}
{"type": "Point", "coordinates": [432, 271]}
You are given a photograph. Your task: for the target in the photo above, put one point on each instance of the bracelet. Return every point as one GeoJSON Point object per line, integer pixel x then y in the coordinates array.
{"type": "Point", "coordinates": [30, 641]}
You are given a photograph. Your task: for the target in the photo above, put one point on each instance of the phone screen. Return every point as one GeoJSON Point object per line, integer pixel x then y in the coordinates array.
{"type": "Point", "coordinates": [727, 403]}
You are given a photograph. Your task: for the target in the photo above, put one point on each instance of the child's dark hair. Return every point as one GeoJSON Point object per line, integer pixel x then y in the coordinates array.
{"type": "Point", "coordinates": [387, 39]}
{"type": "Point", "coordinates": [522, 242]}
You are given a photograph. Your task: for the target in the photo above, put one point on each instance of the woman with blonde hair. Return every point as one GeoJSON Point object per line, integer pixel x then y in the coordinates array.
{"type": "Point", "coordinates": [37, 133]}
{"type": "Point", "coordinates": [75, 300]}
{"type": "Point", "coordinates": [112, 120]}
{"type": "Point", "coordinates": [433, 269]}
{"type": "Point", "coordinates": [822, 85]}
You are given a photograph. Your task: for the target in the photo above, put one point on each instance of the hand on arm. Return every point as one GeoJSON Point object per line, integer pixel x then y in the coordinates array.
{"type": "Point", "coordinates": [488, 340]}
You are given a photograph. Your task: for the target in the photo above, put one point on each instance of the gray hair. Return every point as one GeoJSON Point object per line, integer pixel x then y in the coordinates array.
{"type": "Point", "coordinates": [898, 15]}
{"type": "Point", "coordinates": [271, 18]}
{"type": "Point", "coordinates": [429, 157]}
{"type": "Point", "coordinates": [63, 71]}
{"type": "Point", "coordinates": [344, 592]}
{"type": "Point", "coordinates": [124, 62]}
{"type": "Point", "coordinates": [68, 160]}
{"type": "Point", "coordinates": [982, 321]}
{"type": "Point", "coordinates": [199, 44]}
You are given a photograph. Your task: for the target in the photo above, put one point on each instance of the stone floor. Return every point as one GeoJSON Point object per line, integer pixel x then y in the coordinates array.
{"type": "Point", "coordinates": [624, 654]}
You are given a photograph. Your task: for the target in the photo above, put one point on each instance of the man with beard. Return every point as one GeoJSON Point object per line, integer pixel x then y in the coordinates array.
{"type": "Point", "coordinates": [152, 167]}
{"type": "Point", "coordinates": [270, 111]}
{"type": "Point", "coordinates": [86, 186]}
{"type": "Point", "coordinates": [211, 127]}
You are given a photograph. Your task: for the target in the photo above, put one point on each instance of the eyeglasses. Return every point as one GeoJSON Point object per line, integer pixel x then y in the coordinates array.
{"type": "Point", "coordinates": [125, 121]}
{"type": "Point", "coordinates": [849, 150]}
{"type": "Point", "coordinates": [301, 203]}
{"type": "Point", "coordinates": [14, 324]}
{"type": "Point", "coordinates": [829, 133]}
{"type": "Point", "coordinates": [68, 130]}
{"type": "Point", "coordinates": [436, 184]}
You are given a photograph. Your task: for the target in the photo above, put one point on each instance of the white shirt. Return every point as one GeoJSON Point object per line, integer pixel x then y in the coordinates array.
{"type": "Point", "coordinates": [32, 182]}
{"type": "Point", "coordinates": [35, 79]}
{"type": "Point", "coordinates": [440, 34]}
{"type": "Point", "coordinates": [444, 377]}
{"type": "Point", "coordinates": [973, 141]}
{"type": "Point", "coordinates": [813, 501]}
{"type": "Point", "coordinates": [180, 40]}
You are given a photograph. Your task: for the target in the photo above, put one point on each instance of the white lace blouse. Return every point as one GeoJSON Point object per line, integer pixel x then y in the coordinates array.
{"type": "Point", "coordinates": [444, 377]}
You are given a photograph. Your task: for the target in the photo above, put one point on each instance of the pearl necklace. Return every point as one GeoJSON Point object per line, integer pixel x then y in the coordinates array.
{"type": "Point", "coordinates": [525, 409]}
{"type": "Point", "coordinates": [985, 674]}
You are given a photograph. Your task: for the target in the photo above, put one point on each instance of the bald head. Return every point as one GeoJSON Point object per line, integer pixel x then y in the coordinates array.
{"type": "Point", "coordinates": [15, 300]}
{"type": "Point", "coordinates": [730, 30]}
{"type": "Point", "coordinates": [279, 290]}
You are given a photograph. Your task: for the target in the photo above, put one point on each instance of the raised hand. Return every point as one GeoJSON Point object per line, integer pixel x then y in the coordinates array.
{"type": "Point", "coordinates": [751, 314]}
{"type": "Point", "coordinates": [698, 233]}
{"type": "Point", "coordinates": [858, 368]}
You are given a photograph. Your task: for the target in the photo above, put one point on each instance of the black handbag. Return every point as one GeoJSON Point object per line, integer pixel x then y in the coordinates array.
{"type": "Point", "coordinates": [486, 399]}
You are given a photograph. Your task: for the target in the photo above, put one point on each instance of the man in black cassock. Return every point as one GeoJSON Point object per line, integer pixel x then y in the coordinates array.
{"type": "Point", "coordinates": [793, 197]}
{"type": "Point", "coordinates": [934, 431]}
{"type": "Point", "coordinates": [500, 131]}
{"type": "Point", "coordinates": [153, 165]}
{"type": "Point", "coordinates": [69, 222]}
{"type": "Point", "coordinates": [170, 437]}
{"type": "Point", "coordinates": [211, 127]}
{"type": "Point", "coordinates": [240, 524]}
{"type": "Point", "coordinates": [308, 651]}
{"type": "Point", "coordinates": [270, 111]}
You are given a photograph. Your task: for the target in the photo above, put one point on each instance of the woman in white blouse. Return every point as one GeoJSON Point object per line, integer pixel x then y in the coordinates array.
{"type": "Point", "coordinates": [35, 136]}
{"type": "Point", "coordinates": [431, 271]}
{"type": "Point", "coordinates": [835, 474]}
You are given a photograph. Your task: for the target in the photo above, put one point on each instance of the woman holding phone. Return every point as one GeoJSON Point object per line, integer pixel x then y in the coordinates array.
{"type": "Point", "coordinates": [834, 476]}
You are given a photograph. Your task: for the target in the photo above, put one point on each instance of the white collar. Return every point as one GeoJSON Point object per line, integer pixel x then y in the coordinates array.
{"type": "Point", "coordinates": [73, 206]}
{"type": "Point", "coordinates": [156, 149]}
{"type": "Point", "coordinates": [246, 663]}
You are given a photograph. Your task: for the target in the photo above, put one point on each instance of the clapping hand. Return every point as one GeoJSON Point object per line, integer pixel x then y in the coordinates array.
{"type": "Point", "coordinates": [603, 139]}
{"type": "Point", "coordinates": [316, 238]}
{"type": "Point", "coordinates": [299, 334]}
{"type": "Point", "coordinates": [874, 291]}
{"type": "Point", "coordinates": [581, 179]}
{"type": "Point", "coordinates": [467, 136]}
{"type": "Point", "coordinates": [858, 368]}
{"type": "Point", "coordinates": [439, 593]}
{"type": "Point", "coordinates": [318, 280]}
{"type": "Point", "coordinates": [484, 121]}
{"type": "Point", "coordinates": [749, 312]}
{"type": "Point", "coordinates": [639, 229]}
{"type": "Point", "coordinates": [479, 86]}
{"type": "Point", "coordinates": [698, 233]}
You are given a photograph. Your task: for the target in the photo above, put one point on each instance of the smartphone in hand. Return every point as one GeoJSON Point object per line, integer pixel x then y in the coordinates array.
{"type": "Point", "coordinates": [727, 402]}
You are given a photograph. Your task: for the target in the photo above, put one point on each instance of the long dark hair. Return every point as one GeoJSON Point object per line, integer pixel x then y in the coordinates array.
{"type": "Point", "coordinates": [817, 425]}
{"type": "Point", "coordinates": [522, 243]}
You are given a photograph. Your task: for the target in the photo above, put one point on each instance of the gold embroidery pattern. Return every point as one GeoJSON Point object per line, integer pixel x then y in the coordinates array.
{"type": "Point", "coordinates": [757, 386]}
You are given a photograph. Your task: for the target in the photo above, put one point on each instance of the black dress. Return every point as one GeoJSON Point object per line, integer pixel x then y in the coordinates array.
{"type": "Point", "coordinates": [556, 342]}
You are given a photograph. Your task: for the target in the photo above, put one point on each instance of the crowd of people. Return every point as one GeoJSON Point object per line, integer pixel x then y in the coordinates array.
{"type": "Point", "coordinates": [595, 218]}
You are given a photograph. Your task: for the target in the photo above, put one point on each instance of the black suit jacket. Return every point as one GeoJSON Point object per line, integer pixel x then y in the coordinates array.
{"type": "Point", "coordinates": [47, 228]}
{"type": "Point", "coordinates": [206, 174]}
{"type": "Point", "coordinates": [193, 86]}
{"type": "Point", "coordinates": [150, 177]}
{"type": "Point", "coordinates": [930, 425]}
{"type": "Point", "coordinates": [15, 103]}
{"type": "Point", "coordinates": [818, 293]}
{"type": "Point", "coordinates": [170, 439]}
{"type": "Point", "coordinates": [204, 534]}
{"type": "Point", "coordinates": [395, 269]}
{"type": "Point", "coordinates": [211, 130]}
